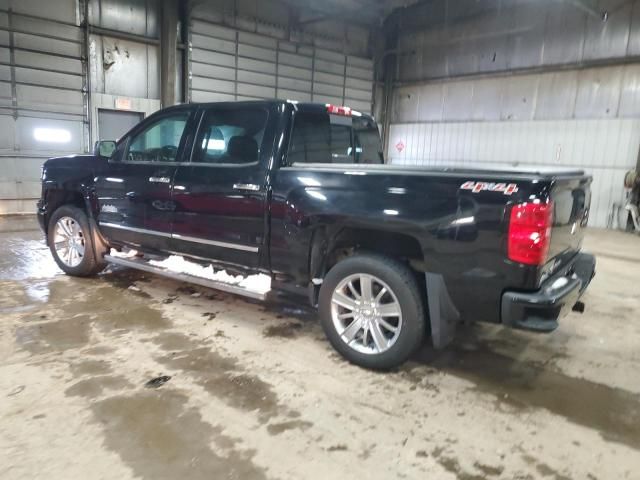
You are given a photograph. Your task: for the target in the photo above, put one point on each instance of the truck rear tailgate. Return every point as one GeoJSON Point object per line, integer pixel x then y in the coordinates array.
{"type": "Point", "coordinates": [571, 197]}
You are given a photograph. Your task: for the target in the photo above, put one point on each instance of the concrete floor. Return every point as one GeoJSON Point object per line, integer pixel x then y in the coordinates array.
{"type": "Point", "coordinates": [256, 392]}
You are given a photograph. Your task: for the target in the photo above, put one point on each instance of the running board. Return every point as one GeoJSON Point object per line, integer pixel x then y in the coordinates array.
{"type": "Point", "coordinates": [183, 277]}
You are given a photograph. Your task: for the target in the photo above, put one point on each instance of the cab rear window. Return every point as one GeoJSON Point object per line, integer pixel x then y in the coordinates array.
{"type": "Point", "coordinates": [321, 137]}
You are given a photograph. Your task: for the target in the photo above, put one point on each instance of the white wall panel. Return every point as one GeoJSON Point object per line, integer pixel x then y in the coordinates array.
{"type": "Point", "coordinates": [234, 64]}
{"type": "Point", "coordinates": [605, 148]}
{"type": "Point", "coordinates": [584, 119]}
{"type": "Point", "coordinates": [55, 10]}
{"type": "Point", "coordinates": [256, 66]}
{"type": "Point", "coordinates": [41, 88]}
{"type": "Point", "coordinates": [212, 71]}
{"type": "Point", "coordinates": [443, 38]}
{"type": "Point", "coordinates": [604, 92]}
{"type": "Point", "coordinates": [572, 101]}
{"type": "Point", "coordinates": [204, 96]}
{"type": "Point", "coordinates": [207, 42]}
{"type": "Point", "coordinates": [255, 91]}
{"type": "Point", "coordinates": [138, 17]}
{"type": "Point", "coordinates": [295, 95]}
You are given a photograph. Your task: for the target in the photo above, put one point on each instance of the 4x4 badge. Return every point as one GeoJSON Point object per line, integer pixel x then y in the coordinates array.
{"type": "Point", "coordinates": [477, 187]}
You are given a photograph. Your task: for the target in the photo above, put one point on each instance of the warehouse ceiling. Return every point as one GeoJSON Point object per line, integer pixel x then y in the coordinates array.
{"type": "Point", "coordinates": [373, 12]}
{"type": "Point", "coordinates": [364, 12]}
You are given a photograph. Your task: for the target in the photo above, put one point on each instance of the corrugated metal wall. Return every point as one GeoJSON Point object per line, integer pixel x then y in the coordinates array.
{"type": "Point", "coordinates": [42, 105]}
{"type": "Point", "coordinates": [125, 67]}
{"type": "Point", "coordinates": [604, 148]}
{"type": "Point", "coordinates": [521, 83]}
{"type": "Point", "coordinates": [232, 64]}
{"type": "Point", "coordinates": [124, 58]}
{"type": "Point", "coordinates": [50, 95]}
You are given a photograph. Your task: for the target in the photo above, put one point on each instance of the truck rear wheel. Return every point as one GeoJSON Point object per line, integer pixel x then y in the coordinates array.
{"type": "Point", "coordinates": [372, 311]}
{"type": "Point", "coordinates": [72, 244]}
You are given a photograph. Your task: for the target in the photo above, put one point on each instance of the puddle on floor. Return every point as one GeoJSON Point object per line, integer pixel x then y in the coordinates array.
{"type": "Point", "coordinates": [613, 412]}
{"type": "Point", "coordinates": [545, 470]}
{"type": "Point", "coordinates": [90, 367]}
{"type": "Point", "coordinates": [221, 376]}
{"type": "Point", "coordinates": [278, 428]}
{"type": "Point", "coordinates": [283, 330]}
{"type": "Point", "coordinates": [286, 309]}
{"type": "Point", "coordinates": [14, 297]}
{"type": "Point", "coordinates": [98, 350]}
{"type": "Point", "coordinates": [158, 437]}
{"type": "Point", "coordinates": [38, 291]}
{"type": "Point", "coordinates": [54, 336]}
{"type": "Point", "coordinates": [60, 320]}
{"type": "Point", "coordinates": [24, 255]}
{"type": "Point", "coordinates": [112, 308]}
{"type": "Point", "coordinates": [174, 341]}
{"type": "Point", "coordinates": [92, 388]}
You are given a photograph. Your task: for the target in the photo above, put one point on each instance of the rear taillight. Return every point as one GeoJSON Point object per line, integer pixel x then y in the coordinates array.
{"type": "Point", "coordinates": [530, 233]}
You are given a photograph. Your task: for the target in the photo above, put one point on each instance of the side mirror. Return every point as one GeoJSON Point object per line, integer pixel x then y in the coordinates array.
{"type": "Point", "coordinates": [104, 148]}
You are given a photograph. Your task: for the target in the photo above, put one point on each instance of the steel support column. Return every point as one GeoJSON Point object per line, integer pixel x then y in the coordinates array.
{"type": "Point", "coordinates": [168, 54]}
{"type": "Point", "coordinates": [389, 61]}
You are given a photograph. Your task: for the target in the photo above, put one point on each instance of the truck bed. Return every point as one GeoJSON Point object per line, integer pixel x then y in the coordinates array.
{"type": "Point", "coordinates": [508, 172]}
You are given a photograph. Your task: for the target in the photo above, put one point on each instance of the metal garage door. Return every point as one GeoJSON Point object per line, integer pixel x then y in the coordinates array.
{"type": "Point", "coordinates": [42, 107]}
{"type": "Point", "coordinates": [113, 124]}
{"type": "Point", "coordinates": [227, 64]}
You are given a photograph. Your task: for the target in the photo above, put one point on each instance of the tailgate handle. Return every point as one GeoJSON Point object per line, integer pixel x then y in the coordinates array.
{"type": "Point", "coordinates": [248, 187]}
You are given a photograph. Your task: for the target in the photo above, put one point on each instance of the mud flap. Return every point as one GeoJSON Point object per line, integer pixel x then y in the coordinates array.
{"type": "Point", "coordinates": [100, 245]}
{"type": "Point", "coordinates": [443, 315]}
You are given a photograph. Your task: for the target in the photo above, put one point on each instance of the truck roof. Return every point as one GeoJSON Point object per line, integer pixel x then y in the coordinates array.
{"type": "Point", "coordinates": [302, 106]}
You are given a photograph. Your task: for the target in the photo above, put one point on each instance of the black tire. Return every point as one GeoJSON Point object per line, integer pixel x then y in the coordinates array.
{"type": "Point", "coordinates": [92, 261]}
{"type": "Point", "coordinates": [402, 281]}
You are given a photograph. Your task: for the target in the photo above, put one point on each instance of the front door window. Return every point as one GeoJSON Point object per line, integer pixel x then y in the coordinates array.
{"type": "Point", "coordinates": [160, 141]}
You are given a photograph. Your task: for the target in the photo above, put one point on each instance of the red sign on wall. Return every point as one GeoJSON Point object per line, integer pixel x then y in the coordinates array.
{"type": "Point", "coordinates": [400, 146]}
{"type": "Point", "coordinates": [123, 103]}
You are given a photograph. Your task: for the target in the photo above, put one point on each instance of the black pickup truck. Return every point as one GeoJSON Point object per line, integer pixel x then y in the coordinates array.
{"type": "Point", "coordinates": [300, 192]}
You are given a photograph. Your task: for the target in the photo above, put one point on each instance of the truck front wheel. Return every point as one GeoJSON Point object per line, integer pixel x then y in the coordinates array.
{"type": "Point", "coordinates": [372, 311]}
{"type": "Point", "coordinates": [71, 242]}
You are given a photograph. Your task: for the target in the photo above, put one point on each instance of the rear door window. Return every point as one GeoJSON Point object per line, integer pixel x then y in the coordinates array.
{"type": "Point", "coordinates": [324, 138]}
{"type": "Point", "coordinates": [231, 136]}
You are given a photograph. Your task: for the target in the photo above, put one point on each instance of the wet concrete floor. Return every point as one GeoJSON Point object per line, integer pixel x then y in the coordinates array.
{"type": "Point", "coordinates": [127, 375]}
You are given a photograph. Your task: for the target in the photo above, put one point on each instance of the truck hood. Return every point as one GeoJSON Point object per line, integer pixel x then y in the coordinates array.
{"type": "Point", "coordinates": [70, 161]}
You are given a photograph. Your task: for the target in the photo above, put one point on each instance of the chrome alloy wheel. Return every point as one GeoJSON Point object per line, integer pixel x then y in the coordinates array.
{"type": "Point", "coordinates": [69, 241]}
{"type": "Point", "coordinates": [366, 313]}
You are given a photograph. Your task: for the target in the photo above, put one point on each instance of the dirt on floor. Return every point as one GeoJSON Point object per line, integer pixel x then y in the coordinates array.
{"type": "Point", "coordinates": [128, 375]}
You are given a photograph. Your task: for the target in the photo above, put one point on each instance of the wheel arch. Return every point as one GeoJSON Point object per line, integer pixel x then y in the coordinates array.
{"type": "Point", "coordinates": [329, 245]}
{"type": "Point", "coordinates": [57, 197]}
{"type": "Point", "coordinates": [79, 197]}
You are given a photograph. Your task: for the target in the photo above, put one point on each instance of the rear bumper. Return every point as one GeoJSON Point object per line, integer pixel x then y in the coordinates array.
{"type": "Point", "coordinates": [541, 310]}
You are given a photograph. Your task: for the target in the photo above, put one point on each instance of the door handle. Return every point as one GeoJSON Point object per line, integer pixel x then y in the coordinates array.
{"type": "Point", "coordinates": [249, 187]}
{"type": "Point", "coordinates": [159, 180]}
